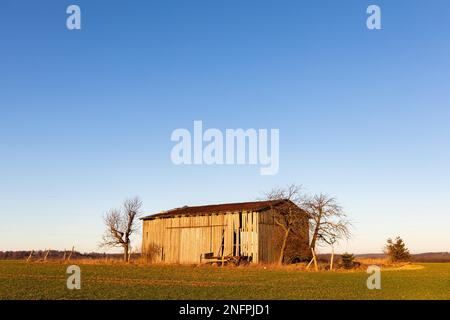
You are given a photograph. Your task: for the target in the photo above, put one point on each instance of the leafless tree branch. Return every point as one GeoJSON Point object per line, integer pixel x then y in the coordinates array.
{"type": "Point", "coordinates": [328, 221]}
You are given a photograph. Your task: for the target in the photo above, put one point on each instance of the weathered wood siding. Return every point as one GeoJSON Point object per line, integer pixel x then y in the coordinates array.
{"type": "Point", "coordinates": [184, 239]}
{"type": "Point", "coordinates": [268, 245]}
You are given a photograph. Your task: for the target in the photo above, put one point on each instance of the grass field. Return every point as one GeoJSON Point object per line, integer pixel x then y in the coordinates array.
{"type": "Point", "coordinates": [19, 280]}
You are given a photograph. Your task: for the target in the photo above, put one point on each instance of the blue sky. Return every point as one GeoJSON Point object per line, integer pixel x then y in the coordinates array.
{"type": "Point", "coordinates": [86, 115]}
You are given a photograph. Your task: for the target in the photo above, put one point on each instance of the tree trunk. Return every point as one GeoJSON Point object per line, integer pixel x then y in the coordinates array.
{"type": "Point", "coordinates": [316, 233]}
{"type": "Point", "coordinates": [283, 246]}
{"type": "Point", "coordinates": [126, 257]}
{"type": "Point", "coordinates": [332, 258]}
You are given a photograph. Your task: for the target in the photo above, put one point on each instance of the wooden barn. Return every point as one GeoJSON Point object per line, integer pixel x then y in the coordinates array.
{"type": "Point", "coordinates": [199, 234]}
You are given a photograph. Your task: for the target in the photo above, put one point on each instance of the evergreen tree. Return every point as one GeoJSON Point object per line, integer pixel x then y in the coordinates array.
{"type": "Point", "coordinates": [347, 260]}
{"type": "Point", "coordinates": [396, 250]}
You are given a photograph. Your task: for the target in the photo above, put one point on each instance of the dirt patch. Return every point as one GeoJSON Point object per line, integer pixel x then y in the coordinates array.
{"type": "Point", "coordinates": [404, 267]}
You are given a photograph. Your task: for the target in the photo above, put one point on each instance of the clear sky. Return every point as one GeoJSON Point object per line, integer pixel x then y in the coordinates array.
{"type": "Point", "coordinates": [86, 115]}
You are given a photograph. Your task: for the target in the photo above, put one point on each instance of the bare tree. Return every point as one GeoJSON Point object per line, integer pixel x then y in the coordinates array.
{"type": "Point", "coordinates": [328, 221]}
{"type": "Point", "coordinates": [121, 224]}
{"type": "Point", "coordinates": [287, 213]}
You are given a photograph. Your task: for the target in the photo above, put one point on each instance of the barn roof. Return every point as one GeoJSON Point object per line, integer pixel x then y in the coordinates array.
{"type": "Point", "coordinates": [215, 209]}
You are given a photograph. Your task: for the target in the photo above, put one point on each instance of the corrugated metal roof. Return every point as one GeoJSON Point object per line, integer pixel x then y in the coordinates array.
{"type": "Point", "coordinates": [215, 209]}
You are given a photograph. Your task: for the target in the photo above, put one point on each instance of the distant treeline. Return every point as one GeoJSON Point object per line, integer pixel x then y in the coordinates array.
{"type": "Point", "coordinates": [431, 257]}
{"type": "Point", "coordinates": [56, 254]}
{"type": "Point", "coordinates": [420, 257]}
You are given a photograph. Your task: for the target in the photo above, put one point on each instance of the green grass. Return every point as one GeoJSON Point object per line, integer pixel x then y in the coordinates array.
{"type": "Point", "coordinates": [19, 280]}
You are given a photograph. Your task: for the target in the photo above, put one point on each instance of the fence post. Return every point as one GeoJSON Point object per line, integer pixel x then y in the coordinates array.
{"type": "Point", "coordinates": [71, 252]}
{"type": "Point", "coordinates": [46, 255]}
{"type": "Point", "coordinates": [29, 257]}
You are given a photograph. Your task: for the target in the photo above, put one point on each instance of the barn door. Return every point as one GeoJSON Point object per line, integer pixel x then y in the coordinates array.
{"type": "Point", "coordinates": [190, 240]}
